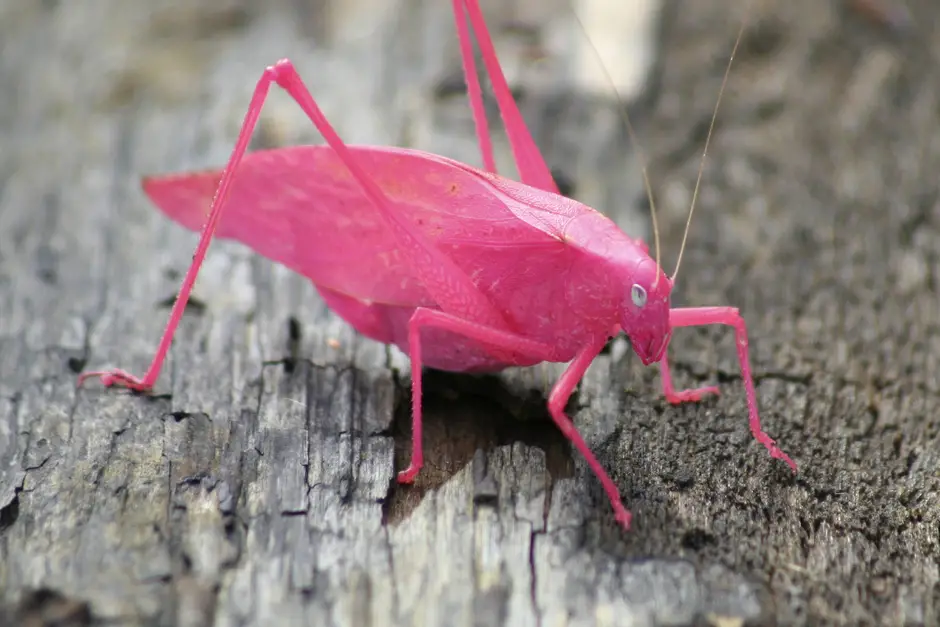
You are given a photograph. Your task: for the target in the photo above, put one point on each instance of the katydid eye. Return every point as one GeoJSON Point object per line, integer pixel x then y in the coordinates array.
{"type": "Point", "coordinates": [638, 295]}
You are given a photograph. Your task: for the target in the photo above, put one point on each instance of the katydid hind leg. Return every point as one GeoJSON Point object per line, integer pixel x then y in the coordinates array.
{"type": "Point", "coordinates": [474, 92]}
{"type": "Point", "coordinates": [528, 158]}
{"type": "Point", "coordinates": [120, 377]}
{"type": "Point", "coordinates": [495, 338]}
{"type": "Point", "coordinates": [729, 316]}
{"type": "Point", "coordinates": [451, 288]}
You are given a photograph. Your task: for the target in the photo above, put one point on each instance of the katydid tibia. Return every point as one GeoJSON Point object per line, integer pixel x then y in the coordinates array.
{"type": "Point", "coordinates": [461, 268]}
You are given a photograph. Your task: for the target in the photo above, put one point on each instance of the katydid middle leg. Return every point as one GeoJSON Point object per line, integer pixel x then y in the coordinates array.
{"type": "Point", "coordinates": [506, 341]}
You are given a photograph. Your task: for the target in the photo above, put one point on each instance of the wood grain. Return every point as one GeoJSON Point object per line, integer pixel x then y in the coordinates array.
{"type": "Point", "coordinates": [255, 486]}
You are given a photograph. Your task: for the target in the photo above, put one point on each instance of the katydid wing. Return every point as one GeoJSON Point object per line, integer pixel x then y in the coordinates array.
{"type": "Point", "coordinates": [461, 268]}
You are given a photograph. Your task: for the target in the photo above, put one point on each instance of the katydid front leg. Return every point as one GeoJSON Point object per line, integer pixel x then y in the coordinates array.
{"type": "Point", "coordinates": [704, 316]}
{"type": "Point", "coordinates": [683, 396]}
{"type": "Point", "coordinates": [506, 341]}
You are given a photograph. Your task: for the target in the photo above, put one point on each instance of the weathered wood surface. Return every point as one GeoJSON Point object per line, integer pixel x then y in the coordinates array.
{"type": "Point", "coordinates": [255, 487]}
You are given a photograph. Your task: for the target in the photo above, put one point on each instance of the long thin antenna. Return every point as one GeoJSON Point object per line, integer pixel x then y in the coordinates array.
{"type": "Point", "coordinates": [621, 108]}
{"type": "Point", "coordinates": [701, 169]}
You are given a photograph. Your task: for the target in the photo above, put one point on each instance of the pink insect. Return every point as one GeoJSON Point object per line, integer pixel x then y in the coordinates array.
{"type": "Point", "coordinates": [461, 268]}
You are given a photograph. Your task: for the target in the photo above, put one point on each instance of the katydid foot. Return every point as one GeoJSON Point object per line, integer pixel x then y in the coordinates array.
{"type": "Point", "coordinates": [118, 377]}
{"type": "Point", "coordinates": [682, 396]}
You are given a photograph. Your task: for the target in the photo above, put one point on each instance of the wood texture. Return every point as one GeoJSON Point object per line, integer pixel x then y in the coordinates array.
{"type": "Point", "coordinates": [255, 487]}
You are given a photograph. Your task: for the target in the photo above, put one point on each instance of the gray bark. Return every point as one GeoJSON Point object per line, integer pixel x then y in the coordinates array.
{"type": "Point", "coordinates": [256, 485]}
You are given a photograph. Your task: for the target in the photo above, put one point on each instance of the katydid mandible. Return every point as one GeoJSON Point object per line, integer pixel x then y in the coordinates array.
{"type": "Point", "coordinates": [461, 268]}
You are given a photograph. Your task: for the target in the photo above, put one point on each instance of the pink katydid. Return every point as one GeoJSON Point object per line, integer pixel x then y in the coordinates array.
{"type": "Point", "coordinates": [461, 268]}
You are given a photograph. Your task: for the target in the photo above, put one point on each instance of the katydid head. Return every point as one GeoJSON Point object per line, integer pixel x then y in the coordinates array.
{"type": "Point", "coordinates": [645, 318]}
{"type": "Point", "coordinates": [646, 301]}
{"type": "Point", "coordinates": [645, 312]}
